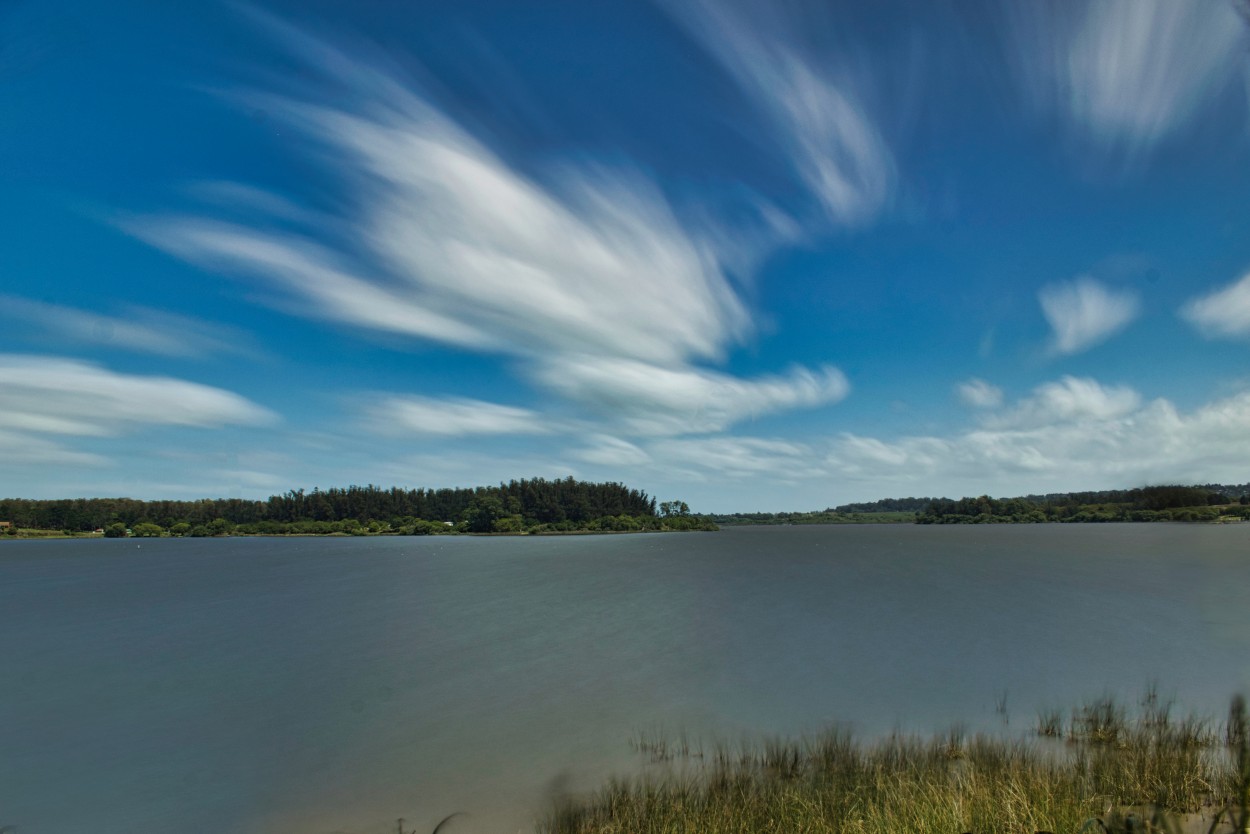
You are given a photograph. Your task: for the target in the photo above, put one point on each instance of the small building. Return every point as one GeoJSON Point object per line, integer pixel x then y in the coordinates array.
{"type": "Point", "coordinates": [4, 525]}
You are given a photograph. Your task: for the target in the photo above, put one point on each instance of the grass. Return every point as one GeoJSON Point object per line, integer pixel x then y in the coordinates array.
{"type": "Point", "coordinates": [37, 533]}
{"type": "Point", "coordinates": [1110, 763]}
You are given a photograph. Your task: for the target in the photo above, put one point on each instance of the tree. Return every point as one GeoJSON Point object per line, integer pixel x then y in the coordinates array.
{"type": "Point", "coordinates": [669, 509]}
{"type": "Point", "coordinates": [117, 530]}
{"type": "Point", "coordinates": [482, 513]}
{"type": "Point", "coordinates": [146, 530]}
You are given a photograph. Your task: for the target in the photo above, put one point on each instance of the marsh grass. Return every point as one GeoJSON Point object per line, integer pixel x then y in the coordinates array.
{"type": "Point", "coordinates": [947, 784]}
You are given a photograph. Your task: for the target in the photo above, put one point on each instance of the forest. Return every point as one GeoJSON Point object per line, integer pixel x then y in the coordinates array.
{"type": "Point", "coordinates": [1210, 502]}
{"type": "Point", "coordinates": [534, 505]}
{"type": "Point", "coordinates": [1206, 502]}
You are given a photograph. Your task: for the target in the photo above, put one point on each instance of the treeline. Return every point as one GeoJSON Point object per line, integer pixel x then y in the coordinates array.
{"type": "Point", "coordinates": [885, 505]}
{"type": "Point", "coordinates": [1209, 502]}
{"type": "Point", "coordinates": [554, 505]}
{"type": "Point", "coordinates": [817, 517]}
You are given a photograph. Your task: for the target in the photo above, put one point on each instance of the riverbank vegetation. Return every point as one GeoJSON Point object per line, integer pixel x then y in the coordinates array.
{"type": "Point", "coordinates": [1152, 768]}
{"type": "Point", "coordinates": [820, 517]}
{"type": "Point", "coordinates": [1212, 502]}
{"type": "Point", "coordinates": [537, 506]}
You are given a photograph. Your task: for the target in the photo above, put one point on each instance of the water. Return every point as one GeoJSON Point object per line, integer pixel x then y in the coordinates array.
{"type": "Point", "coordinates": [334, 685]}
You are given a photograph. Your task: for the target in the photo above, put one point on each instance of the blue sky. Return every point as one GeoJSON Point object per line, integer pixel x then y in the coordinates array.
{"type": "Point", "coordinates": [756, 256]}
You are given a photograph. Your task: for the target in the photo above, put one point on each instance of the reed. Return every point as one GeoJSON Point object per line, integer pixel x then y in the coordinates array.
{"type": "Point", "coordinates": [948, 784]}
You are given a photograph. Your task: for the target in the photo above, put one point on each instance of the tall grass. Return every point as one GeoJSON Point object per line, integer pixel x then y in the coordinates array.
{"type": "Point", "coordinates": [947, 784]}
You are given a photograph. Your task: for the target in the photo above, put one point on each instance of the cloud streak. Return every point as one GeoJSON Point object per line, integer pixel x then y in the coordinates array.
{"type": "Point", "coordinates": [649, 400]}
{"type": "Point", "coordinates": [977, 393]}
{"type": "Point", "coordinates": [453, 417]}
{"type": "Point", "coordinates": [1084, 313]}
{"type": "Point", "coordinates": [833, 141]}
{"type": "Point", "coordinates": [460, 248]}
{"type": "Point", "coordinates": [1124, 76]}
{"type": "Point", "coordinates": [1222, 313]}
{"type": "Point", "coordinates": [588, 276]}
{"type": "Point", "coordinates": [48, 395]}
{"type": "Point", "coordinates": [140, 329]}
{"type": "Point", "coordinates": [45, 395]}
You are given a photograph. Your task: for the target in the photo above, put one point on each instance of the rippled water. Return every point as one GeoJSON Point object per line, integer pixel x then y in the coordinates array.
{"type": "Point", "coordinates": [323, 685]}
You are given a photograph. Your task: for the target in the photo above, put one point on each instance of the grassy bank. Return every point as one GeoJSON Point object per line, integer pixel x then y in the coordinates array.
{"type": "Point", "coordinates": [1102, 763]}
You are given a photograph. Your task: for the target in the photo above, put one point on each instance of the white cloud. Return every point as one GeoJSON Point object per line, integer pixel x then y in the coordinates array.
{"type": "Point", "coordinates": [139, 329]}
{"type": "Point", "coordinates": [1070, 434]}
{"type": "Point", "coordinates": [977, 393]}
{"type": "Point", "coordinates": [48, 395]}
{"type": "Point", "coordinates": [1067, 434]}
{"type": "Point", "coordinates": [1126, 75]}
{"type": "Point", "coordinates": [1070, 399]}
{"type": "Point", "coordinates": [588, 276]}
{"type": "Point", "coordinates": [648, 399]}
{"type": "Point", "coordinates": [737, 457]}
{"type": "Point", "coordinates": [460, 248]}
{"type": "Point", "coordinates": [835, 145]}
{"type": "Point", "coordinates": [453, 417]}
{"type": "Point", "coordinates": [1084, 312]}
{"type": "Point", "coordinates": [606, 450]}
{"type": "Point", "coordinates": [17, 448]}
{"type": "Point", "coordinates": [43, 395]}
{"type": "Point", "coordinates": [1222, 313]}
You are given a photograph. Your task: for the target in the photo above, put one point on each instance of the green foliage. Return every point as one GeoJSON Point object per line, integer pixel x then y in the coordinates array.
{"type": "Point", "coordinates": [116, 530]}
{"type": "Point", "coordinates": [147, 530]}
{"type": "Point", "coordinates": [821, 517]}
{"type": "Point", "coordinates": [669, 509]}
{"type": "Point", "coordinates": [1161, 503]}
{"type": "Point", "coordinates": [508, 524]}
{"type": "Point", "coordinates": [538, 500]}
{"type": "Point", "coordinates": [525, 506]}
{"type": "Point", "coordinates": [220, 527]}
{"type": "Point", "coordinates": [946, 784]}
{"type": "Point", "coordinates": [482, 513]}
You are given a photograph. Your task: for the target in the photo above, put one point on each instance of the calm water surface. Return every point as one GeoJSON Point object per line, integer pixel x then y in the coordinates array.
{"type": "Point", "coordinates": [334, 685]}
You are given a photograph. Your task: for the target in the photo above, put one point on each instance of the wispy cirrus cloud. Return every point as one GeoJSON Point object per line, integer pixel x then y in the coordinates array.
{"type": "Point", "coordinates": [588, 276]}
{"type": "Point", "coordinates": [615, 452]}
{"type": "Point", "coordinates": [1084, 312]}
{"type": "Point", "coordinates": [50, 395]}
{"type": "Point", "coordinates": [1125, 76]}
{"type": "Point", "coordinates": [739, 457]}
{"type": "Point", "coordinates": [813, 103]}
{"type": "Point", "coordinates": [977, 393]}
{"type": "Point", "coordinates": [459, 247]}
{"type": "Point", "coordinates": [44, 395]}
{"type": "Point", "coordinates": [1222, 313]}
{"type": "Point", "coordinates": [650, 400]}
{"type": "Point", "coordinates": [453, 417]}
{"type": "Point", "coordinates": [137, 329]}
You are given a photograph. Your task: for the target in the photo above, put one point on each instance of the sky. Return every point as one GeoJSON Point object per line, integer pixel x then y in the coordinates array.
{"type": "Point", "coordinates": [754, 256]}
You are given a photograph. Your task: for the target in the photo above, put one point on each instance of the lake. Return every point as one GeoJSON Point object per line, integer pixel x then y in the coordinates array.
{"type": "Point", "coordinates": [335, 685]}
